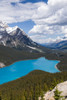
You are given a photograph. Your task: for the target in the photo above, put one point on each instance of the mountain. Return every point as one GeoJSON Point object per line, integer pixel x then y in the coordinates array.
{"type": "Point", "coordinates": [16, 38]}
{"type": "Point", "coordinates": [62, 45]}
{"type": "Point", "coordinates": [15, 45]}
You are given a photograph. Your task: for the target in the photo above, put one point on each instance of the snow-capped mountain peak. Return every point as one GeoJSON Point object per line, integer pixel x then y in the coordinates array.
{"type": "Point", "coordinates": [15, 37]}
{"type": "Point", "coordinates": [3, 26]}
{"type": "Point", "coordinates": [11, 29]}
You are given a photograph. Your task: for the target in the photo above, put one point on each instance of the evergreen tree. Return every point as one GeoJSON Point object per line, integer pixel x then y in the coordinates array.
{"type": "Point", "coordinates": [23, 98]}
{"type": "Point", "coordinates": [0, 97]}
{"type": "Point", "coordinates": [57, 94]}
{"type": "Point", "coordinates": [11, 97]}
{"type": "Point", "coordinates": [42, 95]}
{"type": "Point", "coordinates": [45, 87]}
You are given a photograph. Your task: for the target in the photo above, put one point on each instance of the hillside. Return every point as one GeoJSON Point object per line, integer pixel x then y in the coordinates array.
{"type": "Point", "coordinates": [30, 87]}
{"type": "Point", "coordinates": [10, 55]}
{"type": "Point", "coordinates": [60, 91]}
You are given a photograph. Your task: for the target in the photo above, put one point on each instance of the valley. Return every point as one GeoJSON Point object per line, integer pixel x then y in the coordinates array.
{"type": "Point", "coordinates": [12, 55]}
{"type": "Point", "coordinates": [15, 47]}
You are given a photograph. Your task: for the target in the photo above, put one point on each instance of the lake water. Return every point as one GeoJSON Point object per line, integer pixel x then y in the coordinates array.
{"type": "Point", "coordinates": [22, 68]}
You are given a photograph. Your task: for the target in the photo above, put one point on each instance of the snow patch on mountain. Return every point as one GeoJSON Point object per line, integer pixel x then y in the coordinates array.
{"type": "Point", "coordinates": [3, 24]}
{"type": "Point", "coordinates": [0, 36]}
{"type": "Point", "coordinates": [11, 29]}
{"type": "Point", "coordinates": [15, 37]}
{"type": "Point", "coordinates": [35, 48]}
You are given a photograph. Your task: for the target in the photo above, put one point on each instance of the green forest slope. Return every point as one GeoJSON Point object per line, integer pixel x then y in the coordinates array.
{"type": "Point", "coordinates": [30, 87]}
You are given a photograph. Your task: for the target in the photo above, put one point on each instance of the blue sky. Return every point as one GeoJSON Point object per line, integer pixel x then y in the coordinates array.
{"type": "Point", "coordinates": [34, 1]}
{"type": "Point", "coordinates": [44, 21]}
{"type": "Point", "coordinates": [26, 25]}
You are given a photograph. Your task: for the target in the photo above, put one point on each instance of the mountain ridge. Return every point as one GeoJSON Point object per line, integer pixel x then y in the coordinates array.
{"type": "Point", "coordinates": [62, 45]}
{"type": "Point", "coordinates": [16, 38]}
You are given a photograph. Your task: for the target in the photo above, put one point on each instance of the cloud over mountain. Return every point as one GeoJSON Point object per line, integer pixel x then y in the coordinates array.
{"type": "Point", "coordinates": [50, 18]}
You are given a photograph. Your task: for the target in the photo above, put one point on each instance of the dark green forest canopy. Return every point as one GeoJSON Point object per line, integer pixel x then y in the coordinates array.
{"type": "Point", "coordinates": [30, 87]}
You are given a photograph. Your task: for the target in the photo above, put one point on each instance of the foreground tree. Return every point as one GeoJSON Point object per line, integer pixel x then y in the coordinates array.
{"type": "Point", "coordinates": [42, 95]}
{"type": "Point", "coordinates": [57, 94]}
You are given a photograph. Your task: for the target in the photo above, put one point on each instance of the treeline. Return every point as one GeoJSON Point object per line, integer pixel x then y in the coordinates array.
{"type": "Point", "coordinates": [32, 86]}
{"type": "Point", "coordinates": [10, 55]}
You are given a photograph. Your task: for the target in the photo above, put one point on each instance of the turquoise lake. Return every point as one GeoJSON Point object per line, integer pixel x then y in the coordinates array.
{"type": "Point", "coordinates": [22, 68]}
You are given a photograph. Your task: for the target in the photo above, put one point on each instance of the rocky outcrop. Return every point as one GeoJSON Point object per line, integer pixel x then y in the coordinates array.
{"type": "Point", "coordinates": [61, 87]}
{"type": "Point", "coordinates": [2, 65]}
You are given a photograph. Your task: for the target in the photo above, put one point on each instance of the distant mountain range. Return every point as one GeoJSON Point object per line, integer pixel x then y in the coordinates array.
{"type": "Point", "coordinates": [62, 45]}
{"type": "Point", "coordinates": [17, 38]}
{"type": "Point", "coordinates": [14, 37]}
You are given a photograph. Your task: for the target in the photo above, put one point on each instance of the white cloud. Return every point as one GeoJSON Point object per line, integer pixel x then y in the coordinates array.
{"type": "Point", "coordinates": [42, 39]}
{"type": "Point", "coordinates": [19, 12]}
{"type": "Point", "coordinates": [50, 18]}
{"type": "Point", "coordinates": [66, 35]}
{"type": "Point", "coordinates": [45, 29]}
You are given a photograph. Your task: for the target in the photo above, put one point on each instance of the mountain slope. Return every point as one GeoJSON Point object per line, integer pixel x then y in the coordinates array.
{"type": "Point", "coordinates": [17, 38]}
{"type": "Point", "coordinates": [31, 86]}
{"type": "Point", "coordinates": [10, 55]}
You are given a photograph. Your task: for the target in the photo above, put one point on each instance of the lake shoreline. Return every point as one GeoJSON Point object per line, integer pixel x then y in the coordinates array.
{"type": "Point", "coordinates": [31, 59]}
{"type": "Point", "coordinates": [57, 67]}
{"type": "Point", "coordinates": [18, 61]}
{"type": "Point", "coordinates": [22, 68]}
{"type": "Point", "coordinates": [2, 65]}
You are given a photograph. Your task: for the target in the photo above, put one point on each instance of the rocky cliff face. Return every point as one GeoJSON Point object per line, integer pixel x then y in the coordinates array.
{"type": "Point", "coordinates": [13, 36]}
{"type": "Point", "coordinates": [16, 38]}
{"type": "Point", "coordinates": [61, 87]}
